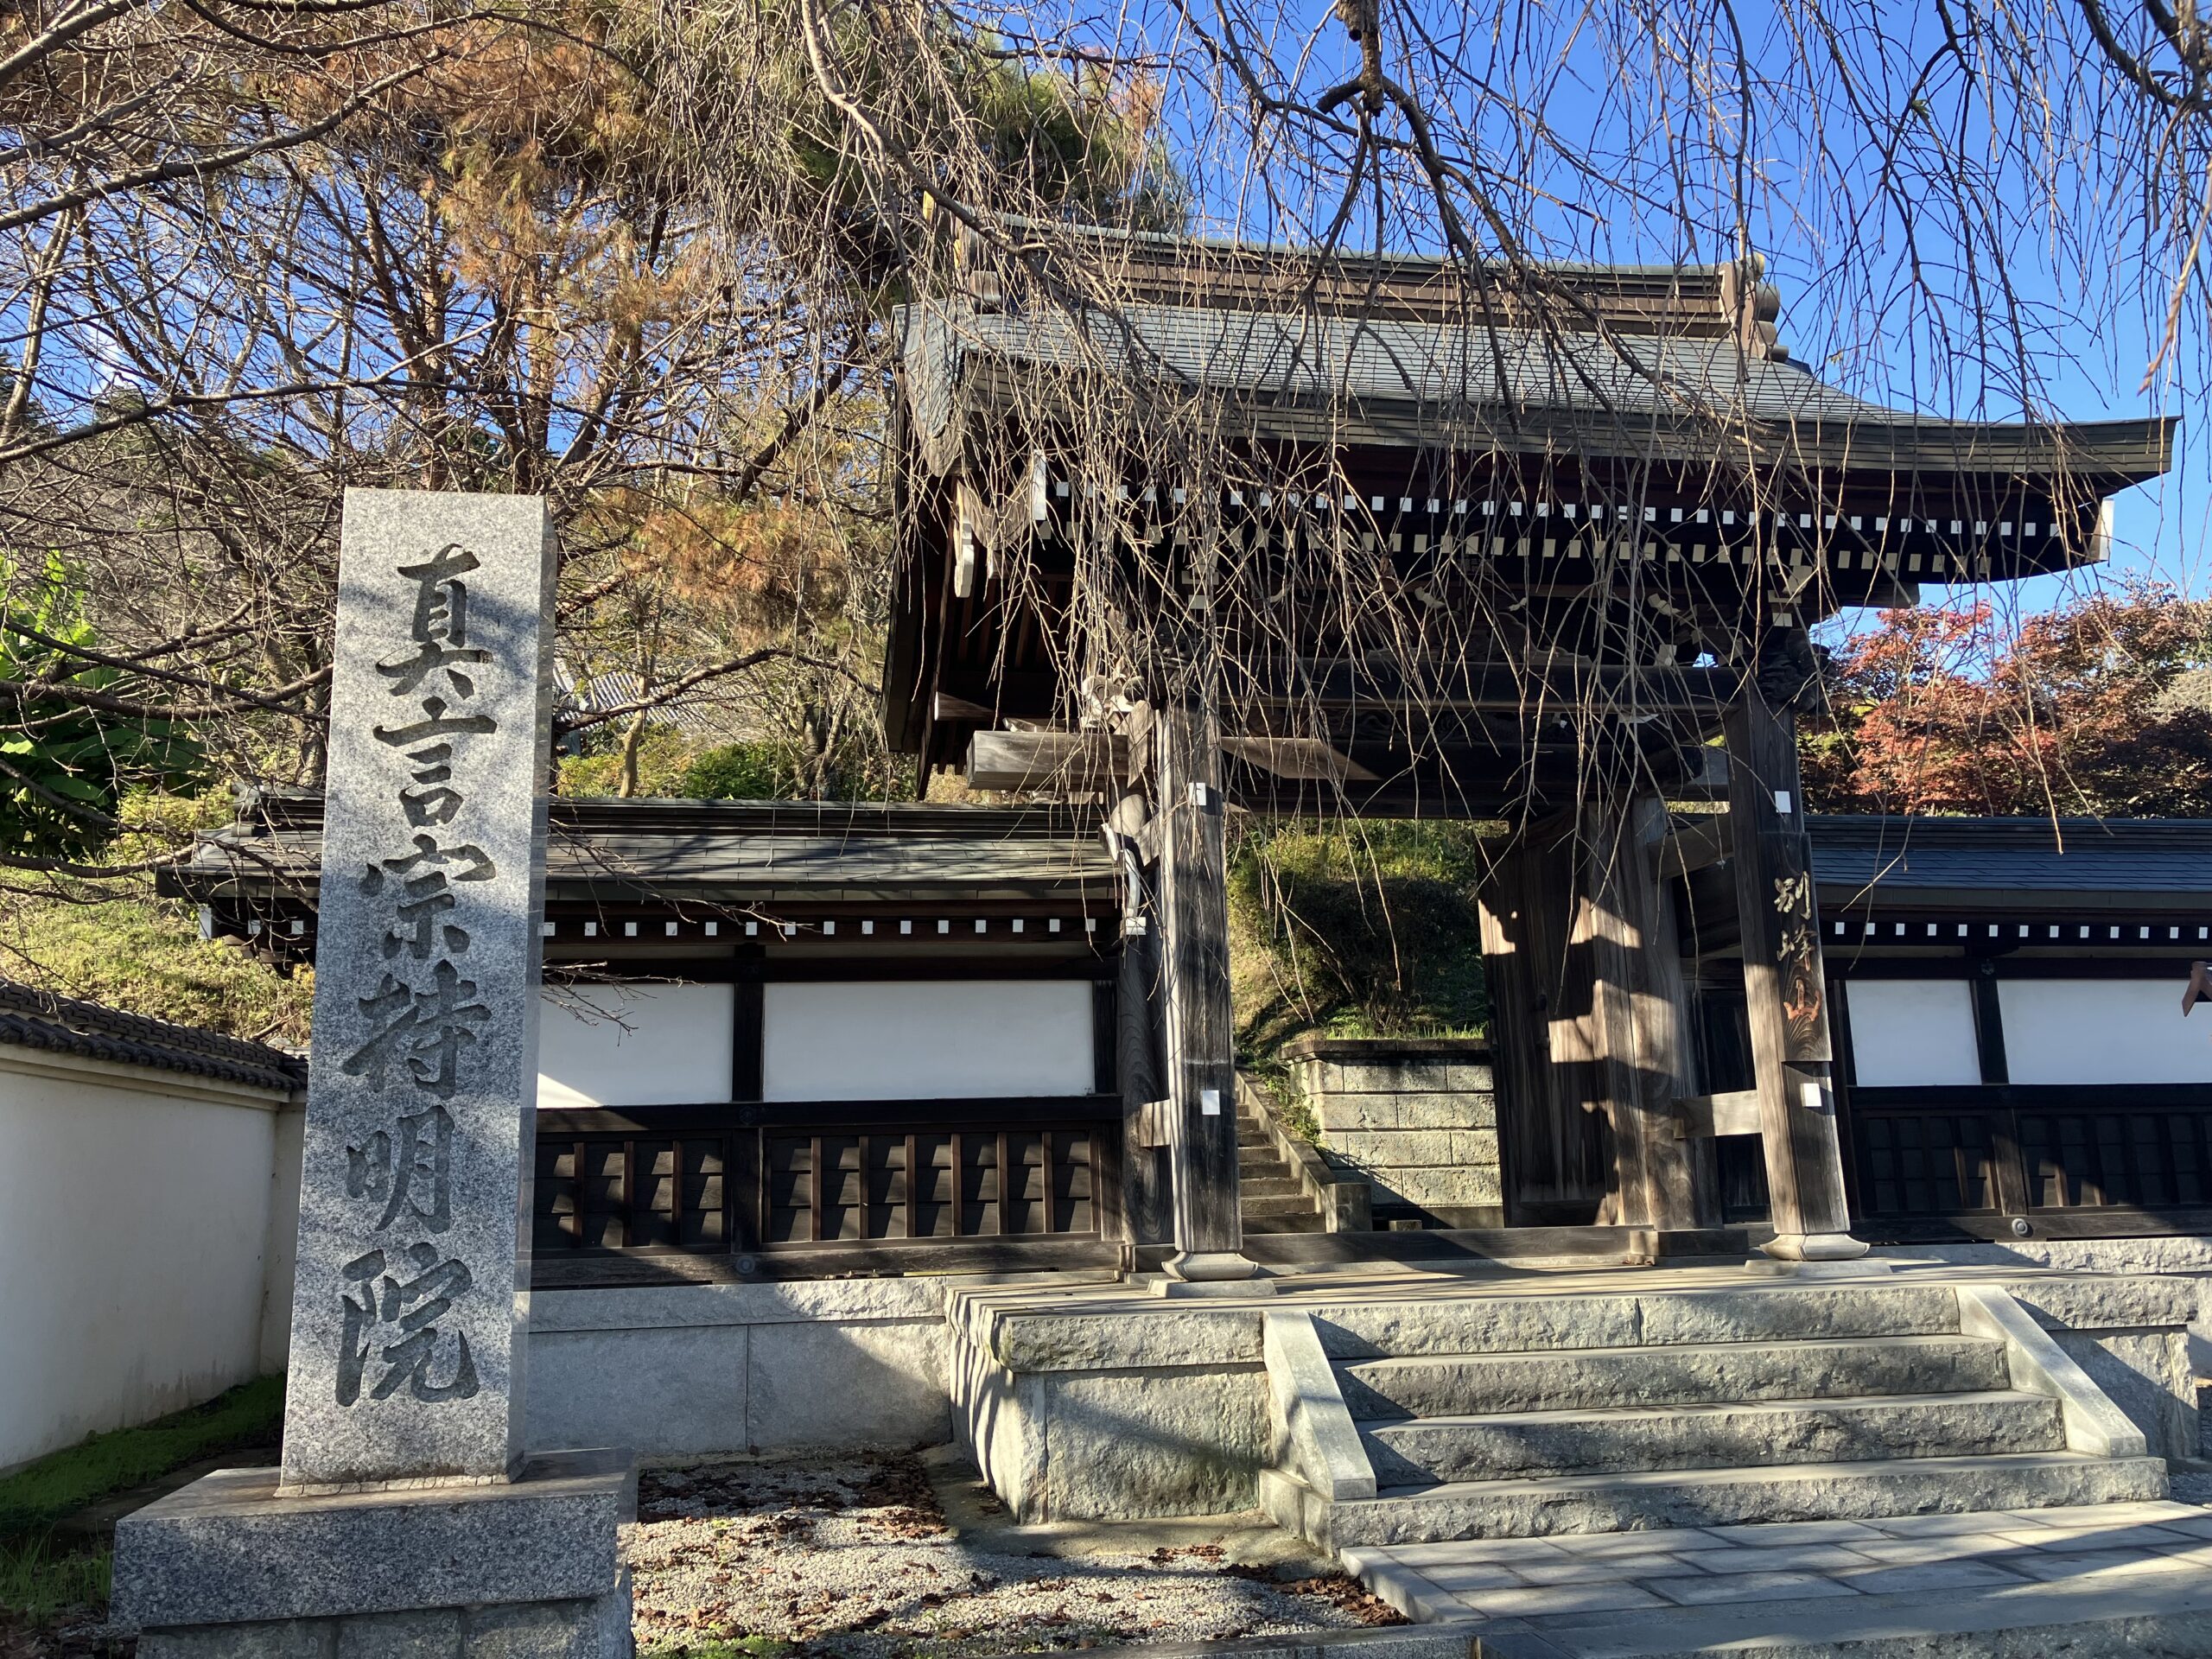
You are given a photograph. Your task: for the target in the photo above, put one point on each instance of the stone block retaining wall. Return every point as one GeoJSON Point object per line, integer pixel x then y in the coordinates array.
{"type": "Point", "coordinates": [1418, 1118]}
{"type": "Point", "coordinates": [1080, 1399]}
{"type": "Point", "coordinates": [700, 1370]}
{"type": "Point", "coordinates": [1112, 1413]}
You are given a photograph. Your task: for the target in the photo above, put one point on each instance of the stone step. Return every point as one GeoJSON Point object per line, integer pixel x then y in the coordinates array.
{"type": "Point", "coordinates": [1702, 1498]}
{"type": "Point", "coordinates": [1285, 1185]}
{"type": "Point", "coordinates": [1301, 1221]}
{"type": "Point", "coordinates": [1627, 1319]}
{"type": "Point", "coordinates": [1293, 1204]}
{"type": "Point", "coordinates": [1532, 1445]}
{"type": "Point", "coordinates": [1469, 1384]}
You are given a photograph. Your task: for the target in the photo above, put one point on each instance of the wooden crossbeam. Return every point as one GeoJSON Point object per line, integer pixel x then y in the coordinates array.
{"type": "Point", "coordinates": [1298, 759]}
{"type": "Point", "coordinates": [1701, 1117]}
{"type": "Point", "coordinates": [1694, 843]}
{"type": "Point", "coordinates": [1071, 762]}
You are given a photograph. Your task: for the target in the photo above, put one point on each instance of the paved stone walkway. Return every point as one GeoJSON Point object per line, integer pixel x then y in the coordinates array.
{"type": "Point", "coordinates": [2133, 1577]}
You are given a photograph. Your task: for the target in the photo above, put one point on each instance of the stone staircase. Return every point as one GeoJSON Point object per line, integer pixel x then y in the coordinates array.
{"type": "Point", "coordinates": [1507, 1417]}
{"type": "Point", "coordinates": [1269, 1193]}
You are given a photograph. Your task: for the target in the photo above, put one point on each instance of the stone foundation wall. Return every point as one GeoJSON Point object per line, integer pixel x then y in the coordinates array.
{"type": "Point", "coordinates": [1417, 1118]}
{"type": "Point", "coordinates": [1122, 1414]}
{"type": "Point", "coordinates": [596, 1629]}
{"type": "Point", "coordinates": [700, 1370]}
{"type": "Point", "coordinates": [2142, 1334]}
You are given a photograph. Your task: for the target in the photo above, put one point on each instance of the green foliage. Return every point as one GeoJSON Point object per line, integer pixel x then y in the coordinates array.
{"type": "Point", "coordinates": [738, 771]}
{"type": "Point", "coordinates": [64, 767]}
{"type": "Point", "coordinates": [664, 754]}
{"type": "Point", "coordinates": [1082, 140]}
{"type": "Point", "coordinates": [38, 1581]}
{"type": "Point", "coordinates": [670, 766]}
{"type": "Point", "coordinates": [1355, 930]}
{"type": "Point", "coordinates": [33, 1499]}
{"type": "Point", "coordinates": [146, 956]}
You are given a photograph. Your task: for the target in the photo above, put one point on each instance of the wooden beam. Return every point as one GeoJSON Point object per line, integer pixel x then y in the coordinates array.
{"type": "Point", "coordinates": [1299, 759]}
{"type": "Point", "coordinates": [1146, 1214]}
{"type": "Point", "coordinates": [1636, 1031]}
{"type": "Point", "coordinates": [1705, 774]}
{"type": "Point", "coordinates": [1694, 844]}
{"type": "Point", "coordinates": [1785, 987]}
{"type": "Point", "coordinates": [1703, 1117]}
{"type": "Point", "coordinates": [944, 706]}
{"type": "Point", "coordinates": [1447, 684]}
{"type": "Point", "coordinates": [1073, 763]}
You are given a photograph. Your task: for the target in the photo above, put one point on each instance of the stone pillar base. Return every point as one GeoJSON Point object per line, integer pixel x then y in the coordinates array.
{"type": "Point", "coordinates": [1814, 1247]}
{"type": "Point", "coordinates": [1202, 1266]}
{"type": "Point", "coordinates": [528, 1569]}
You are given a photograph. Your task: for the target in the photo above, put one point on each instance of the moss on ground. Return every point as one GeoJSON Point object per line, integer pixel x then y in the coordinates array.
{"type": "Point", "coordinates": [62, 1483]}
{"type": "Point", "coordinates": [40, 1579]}
{"type": "Point", "coordinates": [45, 1578]}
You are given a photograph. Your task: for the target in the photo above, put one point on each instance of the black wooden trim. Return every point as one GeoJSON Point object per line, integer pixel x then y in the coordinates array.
{"type": "Point", "coordinates": [1845, 1075]}
{"type": "Point", "coordinates": [1105, 1034]}
{"type": "Point", "coordinates": [1065, 959]}
{"type": "Point", "coordinates": [612, 1269]}
{"type": "Point", "coordinates": [1015, 1112]}
{"type": "Point", "coordinates": [2102, 1222]}
{"type": "Point", "coordinates": [1962, 965]}
{"type": "Point", "coordinates": [1843, 1080]}
{"type": "Point", "coordinates": [1989, 1024]}
{"type": "Point", "coordinates": [745, 1042]}
{"type": "Point", "coordinates": [2038, 1097]}
{"type": "Point", "coordinates": [616, 968]}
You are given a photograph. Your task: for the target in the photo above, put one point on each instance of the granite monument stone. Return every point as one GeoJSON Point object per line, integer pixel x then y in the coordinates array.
{"type": "Point", "coordinates": [404, 1517]}
{"type": "Point", "coordinates": [410, 1309]}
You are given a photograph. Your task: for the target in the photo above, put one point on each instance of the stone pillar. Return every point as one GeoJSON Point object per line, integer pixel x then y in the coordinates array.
{"type": "Point", "coordinates": [403, 1493]}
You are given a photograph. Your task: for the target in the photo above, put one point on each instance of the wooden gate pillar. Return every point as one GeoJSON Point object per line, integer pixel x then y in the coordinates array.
{"type": "Point", "coordinates": [1785, 987]}
{"type": "Point", "coordinates": [1144, 1209]}
{"type": "Point", "coordinates": [1639, 1016]}
{"type": "Point", "coordinates": [1201, 1060]}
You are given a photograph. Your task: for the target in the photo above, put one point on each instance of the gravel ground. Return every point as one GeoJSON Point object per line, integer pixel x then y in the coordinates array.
{"type": "Point", "coordinates": [853, 1558]}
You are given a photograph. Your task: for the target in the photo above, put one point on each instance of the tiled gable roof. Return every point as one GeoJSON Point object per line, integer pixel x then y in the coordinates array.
{"type": "Point", "coordinates": [40, 1019]}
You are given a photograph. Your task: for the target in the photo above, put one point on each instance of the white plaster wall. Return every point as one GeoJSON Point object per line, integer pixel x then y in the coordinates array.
{"type": "Point", "coordinates": [927, 1040]}
{"type": "Point", "coordinates": [2101, 1031]}
{"type": "Point", "coordinates": [279, 1253]}
{"type": "Point", "coordinates": [1913, 1031]}
{"type": "Point", "coordinates": [138, 1227]}
{"type": "Point", "coordinates": [639, 1045]}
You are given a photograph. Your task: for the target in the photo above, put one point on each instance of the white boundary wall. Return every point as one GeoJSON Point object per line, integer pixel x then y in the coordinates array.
{"type": "Point", "coordinates": [149, 1218]}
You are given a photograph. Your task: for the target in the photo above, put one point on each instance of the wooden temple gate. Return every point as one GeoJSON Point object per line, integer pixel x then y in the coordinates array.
{"type": "Point", "coordinates": [1663, 600]}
